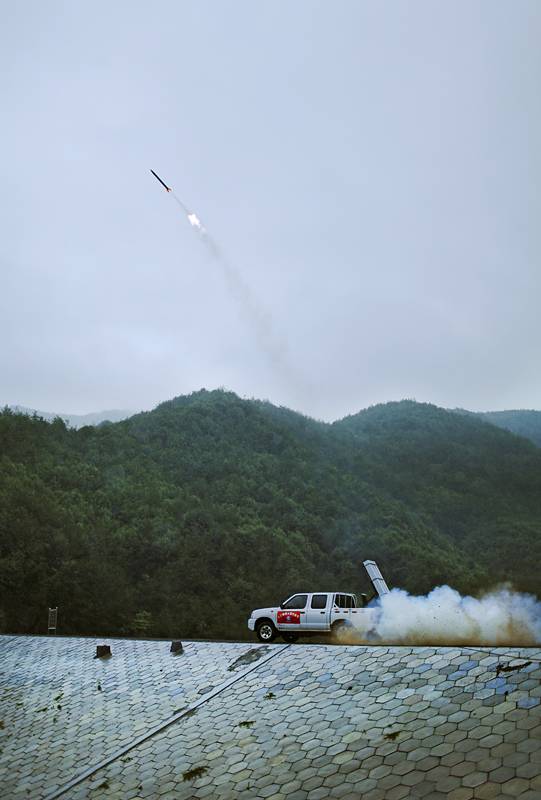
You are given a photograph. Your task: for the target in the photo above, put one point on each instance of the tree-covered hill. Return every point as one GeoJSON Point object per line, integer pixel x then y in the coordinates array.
{"type": "Point", "coordinates": [181, 520]}
{"type": "Point", "coordinates": [477, 484]}
{"type": "Point", "coordinates": [522, 422]}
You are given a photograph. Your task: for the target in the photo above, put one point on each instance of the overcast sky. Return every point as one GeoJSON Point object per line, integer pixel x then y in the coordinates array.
{"type": "Point", "coordinates": [370, 170]}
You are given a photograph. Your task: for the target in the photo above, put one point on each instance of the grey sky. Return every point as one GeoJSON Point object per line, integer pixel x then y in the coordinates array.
{"type": "Point", "coordinates": [372, 169]}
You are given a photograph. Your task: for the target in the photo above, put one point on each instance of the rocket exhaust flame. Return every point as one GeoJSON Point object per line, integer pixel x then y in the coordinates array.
{"type": "Point", "coordinates": [195, 222]}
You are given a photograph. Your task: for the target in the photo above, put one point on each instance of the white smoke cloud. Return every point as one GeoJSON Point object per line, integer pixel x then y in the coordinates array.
{"type": "Point", "coordinates": [444, 617]}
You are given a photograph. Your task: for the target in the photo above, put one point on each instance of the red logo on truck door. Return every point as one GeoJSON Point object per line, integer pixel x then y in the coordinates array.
{"type": "Point", "coordinates": [289, 617]}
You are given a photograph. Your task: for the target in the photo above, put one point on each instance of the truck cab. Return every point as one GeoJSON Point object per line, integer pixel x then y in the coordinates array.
{"type": "Point", "coordinates": [312, 613]}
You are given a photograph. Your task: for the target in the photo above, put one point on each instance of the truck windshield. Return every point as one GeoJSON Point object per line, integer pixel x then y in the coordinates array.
{"type": "Point", "coordinates": [297, 601]}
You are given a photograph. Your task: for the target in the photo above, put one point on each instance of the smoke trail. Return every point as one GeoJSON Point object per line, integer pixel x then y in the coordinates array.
{"type": "Point", "coordinates": [255, 314]}
{"type": "Point", "coordinates": [443, 617]}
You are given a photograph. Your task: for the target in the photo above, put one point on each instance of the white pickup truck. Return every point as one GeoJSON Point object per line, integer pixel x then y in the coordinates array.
{"type": "Point", "coordinates": [319, 613]}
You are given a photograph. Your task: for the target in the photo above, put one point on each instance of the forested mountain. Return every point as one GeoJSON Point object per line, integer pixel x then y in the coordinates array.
{"type": "Point", "coordinates": [523, 422]}
{"type": "Point", "coordinates": [181, 520]}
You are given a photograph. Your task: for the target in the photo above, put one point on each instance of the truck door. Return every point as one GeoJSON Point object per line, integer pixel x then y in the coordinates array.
{"type": "Point", "coordinates": [344, 604]}
{"type": "Point", "coordinates": [292, 614]}
{"type": "Point", "coordinates": [354, 611]}
{"type": "Point", "coordinates": [318, 612]}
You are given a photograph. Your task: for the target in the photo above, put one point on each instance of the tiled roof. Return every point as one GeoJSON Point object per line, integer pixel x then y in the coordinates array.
{"type": "Point", "coordinates": [301, 722]}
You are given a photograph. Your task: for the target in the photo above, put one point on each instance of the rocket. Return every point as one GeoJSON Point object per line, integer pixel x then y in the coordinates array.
{"type": "Point", "coordinates": [193, 219]}
{"type": "Point", "coordinates": [165, 186]}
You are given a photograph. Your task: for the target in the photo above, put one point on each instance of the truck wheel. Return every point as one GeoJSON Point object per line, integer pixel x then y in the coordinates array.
{"type": "Point", "coordinates": [340, 630]}
{"type": "Point", "coordinates": [290, 637]}
{"type": "Point", "coordinates": [266, 631]}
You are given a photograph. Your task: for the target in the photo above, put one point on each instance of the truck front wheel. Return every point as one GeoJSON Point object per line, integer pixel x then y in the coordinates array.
{"type": "Point", "coordinates": [266, 631]}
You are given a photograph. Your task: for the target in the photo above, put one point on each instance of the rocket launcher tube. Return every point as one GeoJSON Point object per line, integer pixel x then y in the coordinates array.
{"type": "Point", "coordinates": [376, 578]}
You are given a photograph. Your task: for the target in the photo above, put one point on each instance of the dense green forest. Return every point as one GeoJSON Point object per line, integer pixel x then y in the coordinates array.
{"type": "Point", "coordinates": [524, 422]}
{"type": "Point", "coordinates": [179, 521]}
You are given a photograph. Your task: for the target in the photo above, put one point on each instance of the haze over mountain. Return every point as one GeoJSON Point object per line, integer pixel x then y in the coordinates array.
{"type": "Point", "coordinates": [77, 420]}
{"type": "Point", "coordinates": [523, 422]}
{"type": "Point", "coordinates": [182, 519]}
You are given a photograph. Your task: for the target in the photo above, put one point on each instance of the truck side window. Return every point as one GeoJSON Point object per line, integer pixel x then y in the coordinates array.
{"type": "Point", "coordinates": [319, 601]}
{"type": "Point", "coordinates": [298, 601]}
{"type": "Point", "coordinates": [344, 601]}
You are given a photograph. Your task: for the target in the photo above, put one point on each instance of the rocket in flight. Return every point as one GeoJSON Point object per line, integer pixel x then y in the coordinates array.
{"type": "Point", "coordinates": [193, 219]}
{"type": "Point", "coordinates": [165, 186]}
